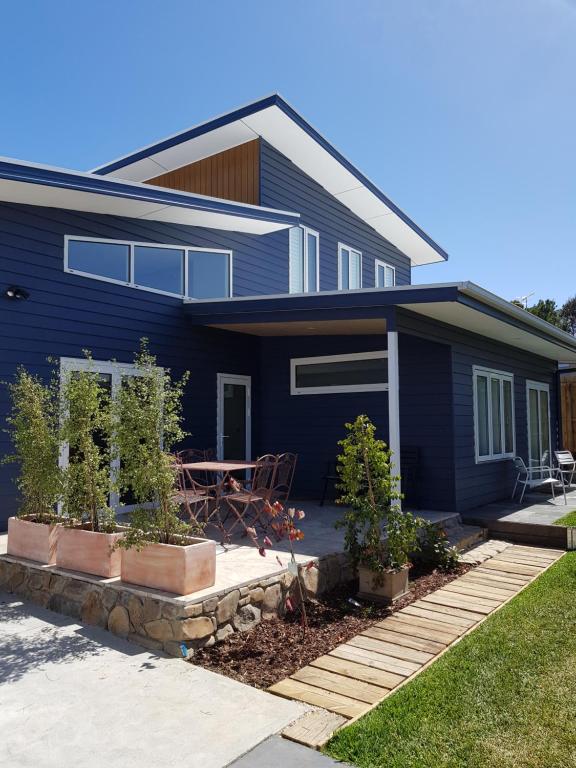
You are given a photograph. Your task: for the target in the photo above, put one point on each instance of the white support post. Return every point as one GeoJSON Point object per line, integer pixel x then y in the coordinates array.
{"type": "Point", "coordinates": [394, 401]}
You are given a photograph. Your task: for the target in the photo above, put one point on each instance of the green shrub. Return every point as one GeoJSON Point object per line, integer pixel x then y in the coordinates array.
{"type": "Point", "coordinates": [147, 426]}
{"type": "Point", "coordinates": [369, 490]}
{"type": "Point", "coordinates": [33, 429]}
{"type": "Point", "coordinates": [434, 549]}
{"type": "Point", "coordinates": [87, 429]}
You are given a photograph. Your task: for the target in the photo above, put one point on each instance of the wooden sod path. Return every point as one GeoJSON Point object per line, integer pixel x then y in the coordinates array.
{"type": "Point", "coordinates": [353, 678]}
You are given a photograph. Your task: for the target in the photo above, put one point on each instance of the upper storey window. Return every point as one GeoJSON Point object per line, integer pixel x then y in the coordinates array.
{"type": "Point", "coordinates": [304, 260]}
{"type": "Point", "coordinates": [197, 273]}
{"type": "Point", "coordinates": [385, 275]}
{"type": "Point", "coordinates": [349, 268]}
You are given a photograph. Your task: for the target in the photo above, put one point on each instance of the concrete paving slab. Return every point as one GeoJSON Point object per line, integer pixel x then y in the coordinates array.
{"type": "Point", "coordinates": [76, 695]}
{"type": "Point", "coordinates": [277, 752]}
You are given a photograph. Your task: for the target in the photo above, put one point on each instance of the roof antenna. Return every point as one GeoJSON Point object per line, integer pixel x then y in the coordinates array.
{"type": "Point", "coordinates": [524, 299]}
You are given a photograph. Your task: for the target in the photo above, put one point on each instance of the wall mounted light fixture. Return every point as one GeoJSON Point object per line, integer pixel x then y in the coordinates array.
{"type": "Point", "coordinates": [15, 292]}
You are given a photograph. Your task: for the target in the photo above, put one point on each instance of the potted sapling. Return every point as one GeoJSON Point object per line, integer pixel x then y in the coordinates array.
{"type": "Point", "coordinates": [159, 549]}
{"type": "Point", "coordinates": [379, 537]}
{"type": "Point", "coordinates": [33, 429]}
{"type": "Point", "coordinates": [87, 540]}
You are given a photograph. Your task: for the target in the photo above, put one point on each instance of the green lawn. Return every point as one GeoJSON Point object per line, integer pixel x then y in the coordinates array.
{"type": "Point", "coordinates": [504, 697]}
{"type": "Point", "coordinates": [567, 520]}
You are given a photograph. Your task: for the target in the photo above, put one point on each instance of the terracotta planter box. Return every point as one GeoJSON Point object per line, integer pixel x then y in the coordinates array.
{"type": "Point", "coordinates": [33, 541]}
{"type": "Point", "coordinates": [171, 567]}
{"type": "Point", "coordinates": [393, 585]}
{"type": "Point", "coordinates": [88, 552]}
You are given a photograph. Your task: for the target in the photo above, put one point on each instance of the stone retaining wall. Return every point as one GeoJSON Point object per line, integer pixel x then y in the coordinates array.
{"type": "Point", "coordinates": [177, 626]}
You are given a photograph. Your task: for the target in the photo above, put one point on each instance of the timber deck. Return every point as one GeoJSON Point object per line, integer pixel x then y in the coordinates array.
{"type": "Point", "coordinates": [356, 676]}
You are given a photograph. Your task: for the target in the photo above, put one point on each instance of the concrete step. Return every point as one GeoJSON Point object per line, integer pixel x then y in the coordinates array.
{"type": "Point", "coordinates": [463, 537]}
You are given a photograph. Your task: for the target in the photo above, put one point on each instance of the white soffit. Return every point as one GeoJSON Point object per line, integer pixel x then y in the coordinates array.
{"type": "Point", "coordinates": [76, 200]}
{"type": "Point", "coordinates": [288, 137]}
{"type": "Point", "coordinates": [468, 319]}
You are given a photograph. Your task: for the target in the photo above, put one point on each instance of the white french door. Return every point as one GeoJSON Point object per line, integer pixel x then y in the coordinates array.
{"type": "Point", "coordinates": [234, 417]}
{"type": "Point", "coordinates": [111, 376]}
{"type": "Point", "coordinates": [539, 438]}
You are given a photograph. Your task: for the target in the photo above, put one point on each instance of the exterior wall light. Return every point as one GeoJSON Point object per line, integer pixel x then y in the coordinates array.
{"type": "Point", "coordinates": [14, 292]}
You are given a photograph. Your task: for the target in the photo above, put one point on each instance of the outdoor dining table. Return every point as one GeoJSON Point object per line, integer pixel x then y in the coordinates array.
{"type": "Point", "coordinates": [220, 466]}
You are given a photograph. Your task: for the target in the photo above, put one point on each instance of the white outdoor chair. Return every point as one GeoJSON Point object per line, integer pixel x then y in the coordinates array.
{"type": "Point", "coordinates": [525, 478]}
{"type": "Point", "coordinates": [566, 466]}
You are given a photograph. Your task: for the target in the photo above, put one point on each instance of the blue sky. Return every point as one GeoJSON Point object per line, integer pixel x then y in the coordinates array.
{"type": "Point", "coordinates": [462, 111]}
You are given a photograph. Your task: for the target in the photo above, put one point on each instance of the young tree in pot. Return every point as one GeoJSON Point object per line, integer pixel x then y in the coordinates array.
{"type": "Point", "coordinates": [90, 533]}
{"type": "Point", "coordinates": [159, 549]}
{"type": "Point", "coordinates": [33, 428]}
{"type": "Point", "coordinates": [370, 492]}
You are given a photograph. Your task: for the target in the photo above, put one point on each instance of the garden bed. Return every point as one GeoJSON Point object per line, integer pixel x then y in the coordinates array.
{"type": "Point", "coordinates": [276, 649]}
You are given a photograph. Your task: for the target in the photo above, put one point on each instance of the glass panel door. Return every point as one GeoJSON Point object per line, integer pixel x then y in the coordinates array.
{"type": "Point", "coordinates": [538, 427]}
{"type": "Point", "coordinates": [234, 420]}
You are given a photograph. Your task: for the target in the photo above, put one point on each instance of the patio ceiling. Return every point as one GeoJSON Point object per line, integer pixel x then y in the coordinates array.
{"type": "Point", "coordinates": [464, 306]}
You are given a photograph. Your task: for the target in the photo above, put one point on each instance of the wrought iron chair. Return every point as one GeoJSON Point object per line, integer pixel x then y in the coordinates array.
{"type": "Point", "coordinates": [246, 505]}
{"type": "Point", "coordinates": [566, 466]}
{"type": "Point", "coordinates": [284, 476]}
{"type": "Point", "coordinates": [189, 455]}
{"type": "Point", "coordinates": [525, 478]}
{"type": "Point", "coordinates": [201, 501]}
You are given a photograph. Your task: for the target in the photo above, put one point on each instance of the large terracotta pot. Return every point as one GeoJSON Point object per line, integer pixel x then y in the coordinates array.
{"type": "Point", "coordinates": [82, 550]}
{"type": "Point", "coordinates": [383, 587]}
{"type": "Point", "coordinates": [33, 541]}
{"type": "Point", "coordinates": [181, 569]}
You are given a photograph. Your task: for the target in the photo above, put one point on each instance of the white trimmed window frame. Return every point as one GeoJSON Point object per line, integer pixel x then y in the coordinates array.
{"type": "Point", "coordinates": [326, 390]}
{"type": "Point", "coordinates": [305, 232]}
{"type": "Point", "coordinates": [386, 267]}
{"type": "Point", "coordinates": [132, 244]}
{"type": "Point", "coordinates": [344, 247]}
{"type": "Point", "coordinates": [501, 376]}
{"type": "Point", "coordinates": [116, 371]}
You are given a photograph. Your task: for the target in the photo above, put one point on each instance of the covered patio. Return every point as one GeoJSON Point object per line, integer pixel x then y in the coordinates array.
{"type": "Point", "coordinates": [312, 366]}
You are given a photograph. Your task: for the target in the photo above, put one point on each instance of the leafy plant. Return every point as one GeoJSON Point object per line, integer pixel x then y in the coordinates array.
{"type": "Point", "coordinates": [147, 425]}
{"type": "Point", "coordinates": [87, 428]}
{"type": "Point", "coordinates": [33, 428]}
{"type": "Point", "coordinates": [369, 491]}
{"type": "Point", "coordinates": [434, 549]}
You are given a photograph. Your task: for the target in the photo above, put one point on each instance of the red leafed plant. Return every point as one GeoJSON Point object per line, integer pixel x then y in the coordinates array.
{"type": "Point", "coordinates": [280, 523]}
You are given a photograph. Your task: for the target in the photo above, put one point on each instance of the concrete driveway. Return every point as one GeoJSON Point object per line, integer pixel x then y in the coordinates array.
{"type": "Point", "coordinates": [72, 695]}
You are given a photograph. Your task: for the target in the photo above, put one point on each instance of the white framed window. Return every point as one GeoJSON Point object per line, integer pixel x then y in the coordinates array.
{"type": "Point", "coordinates": [384, 274]}
{"type": "Point", "coordinates": [349, 268]}
{"type": "Point", "coordinates": [494, 416]}
{"type": "Point", "coordinates": [539, 429]}
{"type": "Point", "coordinates": [304, 260]}
{"type": "Point", "coordinates": [356, 372]}
{"type": "Point", "coordinates": [111, 375]}
{"type": "Point", "coordinates": [183, 272]}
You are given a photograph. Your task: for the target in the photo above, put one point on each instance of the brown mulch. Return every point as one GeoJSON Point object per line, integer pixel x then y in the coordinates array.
{"type": "Point", "coordinates": [276, 649]}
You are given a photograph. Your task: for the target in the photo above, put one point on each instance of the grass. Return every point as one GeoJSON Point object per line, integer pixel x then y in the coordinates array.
{"type": "Point", "coordinates": [567, 520]}
{"type": "Point", "coordinates": [504, 697]}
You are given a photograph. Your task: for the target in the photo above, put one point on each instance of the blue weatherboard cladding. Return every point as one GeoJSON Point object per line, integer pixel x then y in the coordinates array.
{"type": "Point", "coordinates": [450, 379]}
{"type": "Point", "coordinates": [283, 185]}
{"type": "Point", "coordinates": [68, 313]}
{"type": "Point", "coordinates": [312, 425]}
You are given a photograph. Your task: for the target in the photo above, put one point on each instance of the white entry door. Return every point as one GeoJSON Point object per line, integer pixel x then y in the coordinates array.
{"type": "Point", "coordinates": [234, 417]}
{"type": "Point", "coordinates": [539, 441]}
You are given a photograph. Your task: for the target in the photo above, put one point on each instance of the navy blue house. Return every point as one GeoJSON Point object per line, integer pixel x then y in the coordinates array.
{"type": "Point", "coordinates": [251, 253]}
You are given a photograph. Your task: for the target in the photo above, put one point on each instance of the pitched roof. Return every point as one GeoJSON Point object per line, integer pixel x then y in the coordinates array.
{"type": "Point", "coordinates": [273, 119]}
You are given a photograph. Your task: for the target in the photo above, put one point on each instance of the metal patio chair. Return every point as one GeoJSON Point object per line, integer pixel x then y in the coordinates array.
{"type": "Point", "coordinates": [525, 478]}
{"type": "Point", "coordinates": [566, 466]}
{"type": "Point", "coordinates": [284, 476]}
{"type": "Point", "coordinates": [201, 501]}
{"type": "Point", "coordinates": [246, 505]}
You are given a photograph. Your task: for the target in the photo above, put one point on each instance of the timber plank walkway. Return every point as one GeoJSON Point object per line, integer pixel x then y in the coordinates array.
{"type": "Point", "coordinates": [356, 676]}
